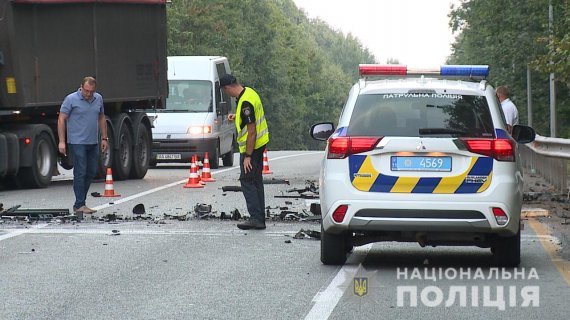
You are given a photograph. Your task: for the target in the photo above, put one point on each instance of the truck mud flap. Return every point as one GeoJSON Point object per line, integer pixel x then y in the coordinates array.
{"type": "Point", "coordinates": [12, 154]}
{"type": "Point", "coordinates": [3, 156]}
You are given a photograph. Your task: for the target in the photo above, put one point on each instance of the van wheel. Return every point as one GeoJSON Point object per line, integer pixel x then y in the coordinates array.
{"type": "Point", "coordinates": [507, 251]}
{"type": "Point", "coordinates": [228, 159]}
{"type": "Point", "coordinates": [333, 248]}
{"type": "Point", "coordinates": [215, 158]}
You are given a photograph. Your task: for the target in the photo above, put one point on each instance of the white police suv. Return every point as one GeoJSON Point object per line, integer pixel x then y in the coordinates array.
{"type": "Point", "coordinates": [421, 156]}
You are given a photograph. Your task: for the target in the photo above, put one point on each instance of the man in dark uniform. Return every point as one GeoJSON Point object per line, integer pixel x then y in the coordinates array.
{"type": "Point", "coordinates": [252, 137]}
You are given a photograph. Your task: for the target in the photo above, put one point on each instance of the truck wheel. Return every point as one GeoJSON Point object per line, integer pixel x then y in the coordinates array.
{"type": "Point", "coordinates": [215, 158]}
{"type": "Point", "coordinates": [123, 148]}
{"type": "Point", "coordinates": [142, 148]}
{"type": "Point", "coordinates": [333, 248]}
{"type": "Point", "coordinates": [38, 175]}
{"type": "Point", "coordinates": [106, 157]}
{"type": "Point", "coordinates": [507, 251]}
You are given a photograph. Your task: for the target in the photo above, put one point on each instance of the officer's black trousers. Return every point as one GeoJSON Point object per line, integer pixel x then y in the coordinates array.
{"type": "Point", "coordinates": [252, 185]}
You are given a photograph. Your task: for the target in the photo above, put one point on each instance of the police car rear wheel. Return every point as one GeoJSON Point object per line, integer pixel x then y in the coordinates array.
{"type": "Point", "coordinates": [507, 251]}
{"type": "Point", "coordinates": [333, 248]}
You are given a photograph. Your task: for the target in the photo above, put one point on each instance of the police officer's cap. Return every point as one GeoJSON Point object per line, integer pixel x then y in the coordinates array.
{"type": "Point", "coordinates": [226, 80]}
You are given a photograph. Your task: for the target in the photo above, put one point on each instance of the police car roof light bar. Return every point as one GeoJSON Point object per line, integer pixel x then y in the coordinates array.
{"type": "Point", "coordinates": [465, 70]}
{"type": "Point", "coordinates": [401, 70]}
{"type": "Point", "coordinates": [382, 70]}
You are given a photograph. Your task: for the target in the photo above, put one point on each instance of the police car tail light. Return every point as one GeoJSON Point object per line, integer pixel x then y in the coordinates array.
{"type": "Point", "coordinates": [341, 147]}
{"type": "Point", "coordinates": [499, 149]}
{"type": "Point", "coordinates": [339, 213]}
{"type": "Point", "coordinates": [500, 216]}
{"type": "Point", "coordinates": [401, 70]}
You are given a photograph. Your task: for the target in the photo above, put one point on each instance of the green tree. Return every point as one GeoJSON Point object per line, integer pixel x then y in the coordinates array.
{"type": "Point", "coordinates": [506, 34]}
{"type": "Point", "coordinates": [301, 68]}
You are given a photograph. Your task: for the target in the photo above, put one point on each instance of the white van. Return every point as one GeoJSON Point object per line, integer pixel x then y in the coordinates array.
{"type": "Point", "coordinates": [195, 118]}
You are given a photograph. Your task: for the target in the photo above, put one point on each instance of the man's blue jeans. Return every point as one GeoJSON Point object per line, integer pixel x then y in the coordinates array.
{"type": "Point", "coordinates": [85, 158]}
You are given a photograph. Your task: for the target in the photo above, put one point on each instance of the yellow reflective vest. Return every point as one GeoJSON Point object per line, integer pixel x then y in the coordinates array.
{"type": "Point", "coordinates": [261, 129]}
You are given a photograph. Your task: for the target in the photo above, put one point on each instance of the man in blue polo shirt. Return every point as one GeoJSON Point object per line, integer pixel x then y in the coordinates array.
{"type": "Point", "coordinates": [81, 116]}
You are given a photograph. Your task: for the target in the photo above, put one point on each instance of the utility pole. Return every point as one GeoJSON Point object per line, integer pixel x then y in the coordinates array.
{"type": "Point", "coordinates": [529, 95]}
{"type": "Point", "coordinates": [551, 78]}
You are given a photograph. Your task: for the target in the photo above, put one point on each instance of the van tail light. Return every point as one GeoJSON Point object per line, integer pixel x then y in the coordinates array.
{"type": "Point", "coordinates": [500, 216]}
{"type": "Point", "coordinates": [339, 213]}
{"type": "Point", "coordinates": [499, 149]}
{"type": "Point", "coordinates": [342, 147]}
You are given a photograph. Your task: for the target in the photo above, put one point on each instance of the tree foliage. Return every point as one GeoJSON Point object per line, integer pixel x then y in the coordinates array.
{"type": "Point", "coordinates": [511, 36]}
{"type": "Point", "coordinates": [301, 68]}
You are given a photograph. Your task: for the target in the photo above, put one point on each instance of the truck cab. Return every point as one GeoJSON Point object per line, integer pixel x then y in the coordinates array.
{"type": "Point", "coordinates": [195, 118]}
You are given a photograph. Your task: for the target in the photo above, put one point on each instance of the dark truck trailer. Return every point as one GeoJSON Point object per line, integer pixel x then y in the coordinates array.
{"type": "Point", "coordinates": [46, 48]}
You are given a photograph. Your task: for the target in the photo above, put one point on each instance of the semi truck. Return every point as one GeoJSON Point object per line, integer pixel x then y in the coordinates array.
{"type": "Point", "coordinates": [46, 48]}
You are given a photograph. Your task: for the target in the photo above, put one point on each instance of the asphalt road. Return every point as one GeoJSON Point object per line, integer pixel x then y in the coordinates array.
{"type": "Point", "coordinates": [208, 269]}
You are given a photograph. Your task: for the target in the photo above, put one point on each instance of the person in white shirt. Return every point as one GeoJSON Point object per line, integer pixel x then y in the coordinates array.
{"type": "Point", "coordinates": [509, 109]}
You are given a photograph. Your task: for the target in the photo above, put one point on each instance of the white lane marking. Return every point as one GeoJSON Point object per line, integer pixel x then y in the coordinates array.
{"type": "Point", "coordinates": [170, 185]}
{"type": "Point", "coordinates": [36, 230]}
{"type": "Point", "coordinates": [18, 232]}
{"type": "Point", "coordinates": [144, 193]}
{"type": "Point", "coordinates": [326, 300]}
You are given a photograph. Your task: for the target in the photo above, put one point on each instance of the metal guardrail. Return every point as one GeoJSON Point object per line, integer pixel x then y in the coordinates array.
{"type": "Point", "coordinates": [548, 157]}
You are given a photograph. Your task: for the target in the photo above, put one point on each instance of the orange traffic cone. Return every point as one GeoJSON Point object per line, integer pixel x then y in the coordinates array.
{"type": "Point", "coordinates": [206, 175]}
{"type": "Point", "coordinates": [198, 169]}
{"type": "Point", "coordinates": [266, 163]}
{"type": "Point", "coordinates": [194, 180]}
{"type": "Point", "coordinates": [109, 188]}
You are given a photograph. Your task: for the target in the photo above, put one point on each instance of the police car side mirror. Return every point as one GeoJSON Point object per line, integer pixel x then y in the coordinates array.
{"type": "Point", "coordinates": [523, 134]}
{"type": "Point", "coordinates": [322, 131]}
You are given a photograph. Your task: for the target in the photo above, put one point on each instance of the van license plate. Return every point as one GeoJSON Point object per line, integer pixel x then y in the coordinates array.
{"type": "Point", "coordinates": [421, 164]}
{"type": "Point", "coordinates": [169, 156]}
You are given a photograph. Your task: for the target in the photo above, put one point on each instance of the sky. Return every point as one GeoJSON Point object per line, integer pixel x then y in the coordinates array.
{"type": "Point", "coordinates": [415, 32]}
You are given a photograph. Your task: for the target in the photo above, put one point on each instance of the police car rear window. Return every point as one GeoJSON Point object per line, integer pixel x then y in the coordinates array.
{"type": "Point", "coordinates": [421, 115]}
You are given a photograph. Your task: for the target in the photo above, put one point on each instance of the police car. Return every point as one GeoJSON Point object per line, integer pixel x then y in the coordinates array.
{"type": "Point", "coordinates": [421, 156]}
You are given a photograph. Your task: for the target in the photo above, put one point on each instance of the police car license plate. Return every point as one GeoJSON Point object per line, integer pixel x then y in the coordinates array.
{"type": "Point", "coordinates": [168, 156]}
{"type": "Point", "coordinates": [420, 163]}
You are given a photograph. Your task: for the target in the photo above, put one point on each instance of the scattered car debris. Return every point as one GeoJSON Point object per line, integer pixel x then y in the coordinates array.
{"type": "Point", "coordinates": [311, 191]}
{"type": "Point", "coordinates": [275, 181]}
{"type": "Point", "coordinates": [16, 213]}
{"type": "Point", "coordinates": [176, 216]}
{"type": "Point", "coordinates": [315, 208]}
{"type": "Point", "coordinates": [96, 194]}
{"type": "Point", "coordinates": [231, 188]}
{"type": "Point", "coordinates": [115, 233]}
{"type": "Point", "coordinates": [139, 209]}
{"type": "Point", "coordinates": [303, 234]}
{"type": "Point", "coordinates": [234, 215]}
{"type": "Point", "coordinates": [203, 211]}
{"type": "Point", "coordinates": [531, 196]}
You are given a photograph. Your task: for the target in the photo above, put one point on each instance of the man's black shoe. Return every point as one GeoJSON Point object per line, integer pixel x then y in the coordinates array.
{"type": "Point", "coordinates": [251, 224]}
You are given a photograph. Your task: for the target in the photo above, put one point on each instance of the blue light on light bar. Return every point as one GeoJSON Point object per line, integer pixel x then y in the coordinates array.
{"type": "Point", "coordinates": [465, 70]}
